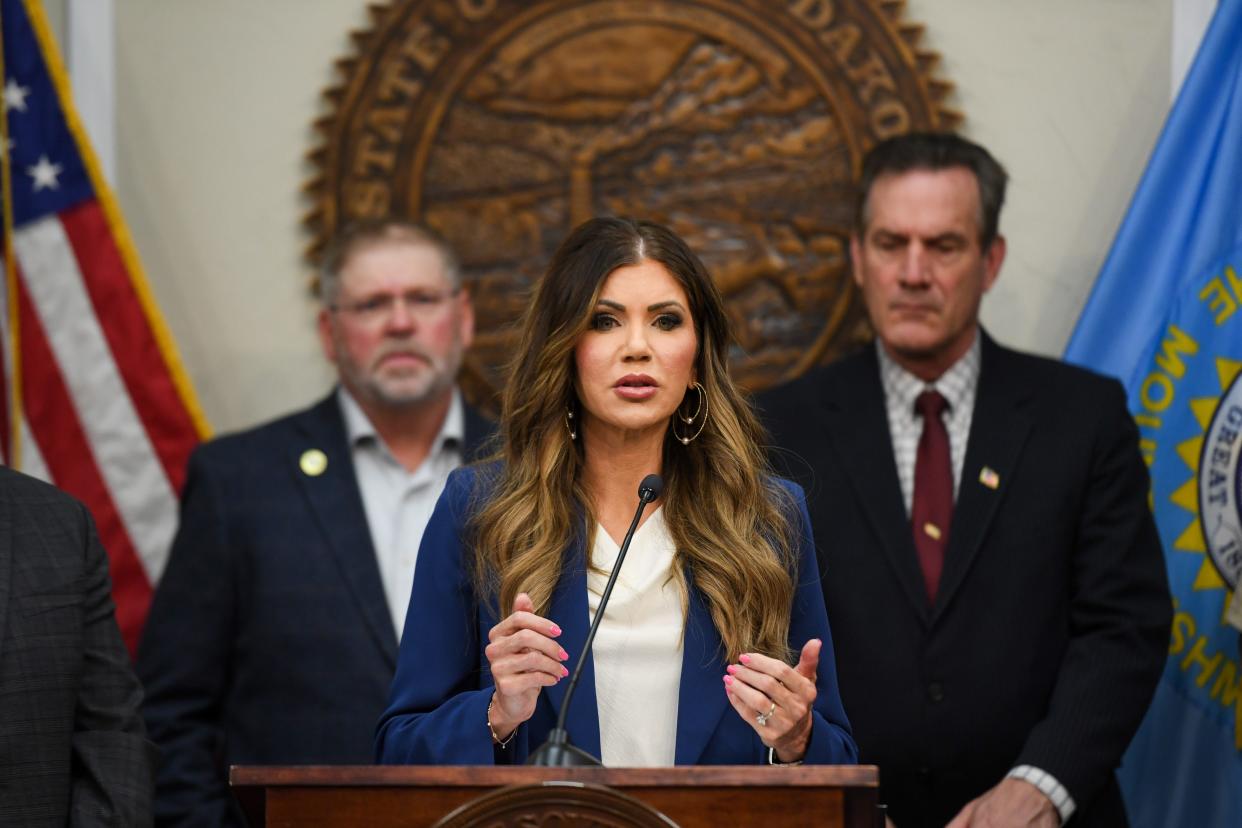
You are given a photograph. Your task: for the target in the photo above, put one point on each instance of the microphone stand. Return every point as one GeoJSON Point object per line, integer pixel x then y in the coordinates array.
{"type": "Point", "coordinates": [556, 751]}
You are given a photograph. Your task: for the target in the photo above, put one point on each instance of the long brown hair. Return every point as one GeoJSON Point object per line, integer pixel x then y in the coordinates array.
{"type": "Point", "coordinates": [733, 527]}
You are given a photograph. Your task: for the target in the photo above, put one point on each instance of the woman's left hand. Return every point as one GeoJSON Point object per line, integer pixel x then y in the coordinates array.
{"type": "Point", "coordinates": [776, 699]}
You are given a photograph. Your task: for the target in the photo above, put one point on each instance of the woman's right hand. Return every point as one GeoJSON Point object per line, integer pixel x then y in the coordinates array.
{"type": "Point", "coordinates": [524, 658]}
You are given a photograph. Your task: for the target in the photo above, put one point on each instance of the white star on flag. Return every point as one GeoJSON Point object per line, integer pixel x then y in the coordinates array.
{"type": "Point", "coordinates": [15, 96]}
{"type": "Point", "coordinates": [44, 174]}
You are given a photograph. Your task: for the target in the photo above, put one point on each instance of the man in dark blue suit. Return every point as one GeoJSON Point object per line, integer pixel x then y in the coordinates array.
{"type": "Point", "coordinates": [992, 573]}
{"type": "Point", "coordinates": [273, 634]}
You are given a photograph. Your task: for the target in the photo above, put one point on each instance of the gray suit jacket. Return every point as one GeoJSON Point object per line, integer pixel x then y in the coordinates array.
{"type": "Point", "coordinates": [72, 746]}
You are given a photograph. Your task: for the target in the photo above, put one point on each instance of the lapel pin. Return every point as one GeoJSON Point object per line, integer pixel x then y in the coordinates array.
{"type": "Point", "coordinates": [989, 477]}
{"type": "Point", "coordinates": [313, 462]}
{"type": "Point", "coordinates": [931, 530]}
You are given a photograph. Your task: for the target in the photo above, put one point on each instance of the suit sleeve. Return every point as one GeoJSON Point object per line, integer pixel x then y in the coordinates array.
{"type": "Point", "coordinates": [185, 658]}
{"type": "Point", "coordinates": [832, 742]}
{"type": "Point", "coordinates": [112, 759]}
{"type": "Point", "coordinates": [437, 709]}
{"type": "Point", "coordinates": [1120, 612]}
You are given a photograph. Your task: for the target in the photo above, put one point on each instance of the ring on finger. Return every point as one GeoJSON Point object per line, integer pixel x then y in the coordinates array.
{"type": "Point", "coordinates": [761, 719]}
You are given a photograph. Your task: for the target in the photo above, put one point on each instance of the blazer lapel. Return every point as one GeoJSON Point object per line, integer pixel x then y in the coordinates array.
{"type": "Point", "coordinates": [856, 426]}
{"type": "Point", "coordinates": [701, 699]}
{"type": "Point", "coordinates": [998, 432]}
{"type": "Point", "coordinates": [571, 612]}
{"type": "Point", "coordinates": [336, 503]}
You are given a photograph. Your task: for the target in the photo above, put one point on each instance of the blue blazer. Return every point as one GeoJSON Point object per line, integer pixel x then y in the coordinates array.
{"type": "Point", "coordinates": [437, 710]}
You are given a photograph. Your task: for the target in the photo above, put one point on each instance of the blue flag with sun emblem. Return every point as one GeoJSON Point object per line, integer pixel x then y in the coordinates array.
{"type": "Point", "coordinates": [1165, 316]}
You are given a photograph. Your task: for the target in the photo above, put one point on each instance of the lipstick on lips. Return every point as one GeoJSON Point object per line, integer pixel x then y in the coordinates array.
{"type": "Point", "coordinates": [635, 387]}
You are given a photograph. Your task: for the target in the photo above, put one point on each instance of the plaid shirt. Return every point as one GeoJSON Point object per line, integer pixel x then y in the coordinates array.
{"type": "Point", "coordinates": [901, 388]}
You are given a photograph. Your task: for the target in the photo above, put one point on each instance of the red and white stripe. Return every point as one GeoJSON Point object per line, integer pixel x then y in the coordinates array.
{"type": "Point", "coordinates": [100, 413]}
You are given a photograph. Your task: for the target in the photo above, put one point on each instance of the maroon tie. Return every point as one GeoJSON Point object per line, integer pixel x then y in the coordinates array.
{"type": "Point", "coordinates": [932, 509]}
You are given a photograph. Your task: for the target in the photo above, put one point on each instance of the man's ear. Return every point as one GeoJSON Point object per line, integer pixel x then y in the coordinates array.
{"type": "Point", "coordinates": [993, 258]}
{"type": "Point", "coordinates": [855, 258]}
{"type": "Point", "coordinates": [324, 327]}
{"type": "Point", "coordinates": [466, 309]}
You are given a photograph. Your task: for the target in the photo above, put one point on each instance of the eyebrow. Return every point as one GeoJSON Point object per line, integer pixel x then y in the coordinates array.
{"type": "Point", "coordinates": [658, 306]}
{"type": "Point", "coordinates": [950, 235]}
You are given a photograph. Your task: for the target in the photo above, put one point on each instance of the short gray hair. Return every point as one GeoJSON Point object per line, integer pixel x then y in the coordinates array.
{"type": "Point", "coordinates": [368, 232]}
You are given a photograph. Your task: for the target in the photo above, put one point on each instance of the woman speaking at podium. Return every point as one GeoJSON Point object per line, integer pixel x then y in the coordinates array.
{"type": "Point", "coordinates": [714, 646]}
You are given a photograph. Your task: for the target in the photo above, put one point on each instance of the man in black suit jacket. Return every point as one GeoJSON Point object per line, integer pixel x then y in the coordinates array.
{"type": "Point", "coordinates": [273, 634]}
{"type": "Point", "coordinates": [72, 746]}
{"type": "Point", "coordinates": [996, 667]}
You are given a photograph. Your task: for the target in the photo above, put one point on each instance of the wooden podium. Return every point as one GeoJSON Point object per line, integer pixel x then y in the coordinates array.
{"type": "Point", "coordinates": [687, 797]}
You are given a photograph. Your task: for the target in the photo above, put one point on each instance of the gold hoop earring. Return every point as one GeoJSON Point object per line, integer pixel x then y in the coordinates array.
{"type": "Point", "coordinates": [699, 416]}
{"type": "Point", "coordinates": [569, 421]}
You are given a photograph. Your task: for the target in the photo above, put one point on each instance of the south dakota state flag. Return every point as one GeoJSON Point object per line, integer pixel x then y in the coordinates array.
{"type": "Point", "coordinates": [1166, 317]}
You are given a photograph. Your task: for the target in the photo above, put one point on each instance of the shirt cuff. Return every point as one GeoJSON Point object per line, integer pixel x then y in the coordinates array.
{"type": "Point", "coordinates": [772, 760]}
{"type": "Point", "coordinates": [1049, 787]}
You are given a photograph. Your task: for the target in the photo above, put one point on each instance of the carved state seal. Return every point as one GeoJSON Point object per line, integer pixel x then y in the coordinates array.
{"type": "Point", "coordinates": [555, 804]}
{"type": "Point", "coordinates": [739, 123]}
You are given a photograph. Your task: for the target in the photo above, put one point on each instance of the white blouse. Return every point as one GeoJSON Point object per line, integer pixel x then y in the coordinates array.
{"type": "Point", "coordinates": [638, 648]}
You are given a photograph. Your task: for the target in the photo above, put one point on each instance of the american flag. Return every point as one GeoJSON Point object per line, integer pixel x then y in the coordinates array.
{"type": "Point", "coordinates": [95, 399]}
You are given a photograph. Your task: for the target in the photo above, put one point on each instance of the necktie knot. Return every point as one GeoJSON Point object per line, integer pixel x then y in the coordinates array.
{"type": "Point", "coordinates": [930, 405]}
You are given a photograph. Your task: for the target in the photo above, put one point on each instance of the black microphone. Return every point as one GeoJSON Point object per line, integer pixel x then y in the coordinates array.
{"type": "Point", "coordinates": [556, 751]}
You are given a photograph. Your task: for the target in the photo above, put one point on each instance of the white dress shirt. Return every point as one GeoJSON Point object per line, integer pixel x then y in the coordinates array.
{"type": "Point", "coordinates": [398, 503]}
{"type": "Point", "coordinates": [638, 647]}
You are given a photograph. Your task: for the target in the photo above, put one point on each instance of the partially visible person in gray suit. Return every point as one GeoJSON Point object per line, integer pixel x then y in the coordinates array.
{"type": "Point", "coordinates": [73, 750]}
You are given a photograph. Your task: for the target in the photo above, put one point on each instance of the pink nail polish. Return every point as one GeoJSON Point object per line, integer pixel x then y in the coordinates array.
{"type": "Point", "coordinates": [564, 671]}
{"type": "Point", "coordinates": [728, 680]}
{"type": "Point", "coordinates": [731, 669]}
{"type": "Point", "coordinates": [744, 658]}
{"type": "Point", "coordinates": [564, 655]}
{"type": "Point", "coordinates": [555, 630]}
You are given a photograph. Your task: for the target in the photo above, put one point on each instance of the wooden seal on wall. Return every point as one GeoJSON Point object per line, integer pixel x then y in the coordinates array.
{"type": "Point", "coordinates": [741, 124]}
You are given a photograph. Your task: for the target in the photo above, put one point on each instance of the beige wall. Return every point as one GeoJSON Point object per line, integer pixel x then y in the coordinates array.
{"type": "Point", "coordinates": [1070, 96]}
{"type": "Point", "coordinates": [215, 102]}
